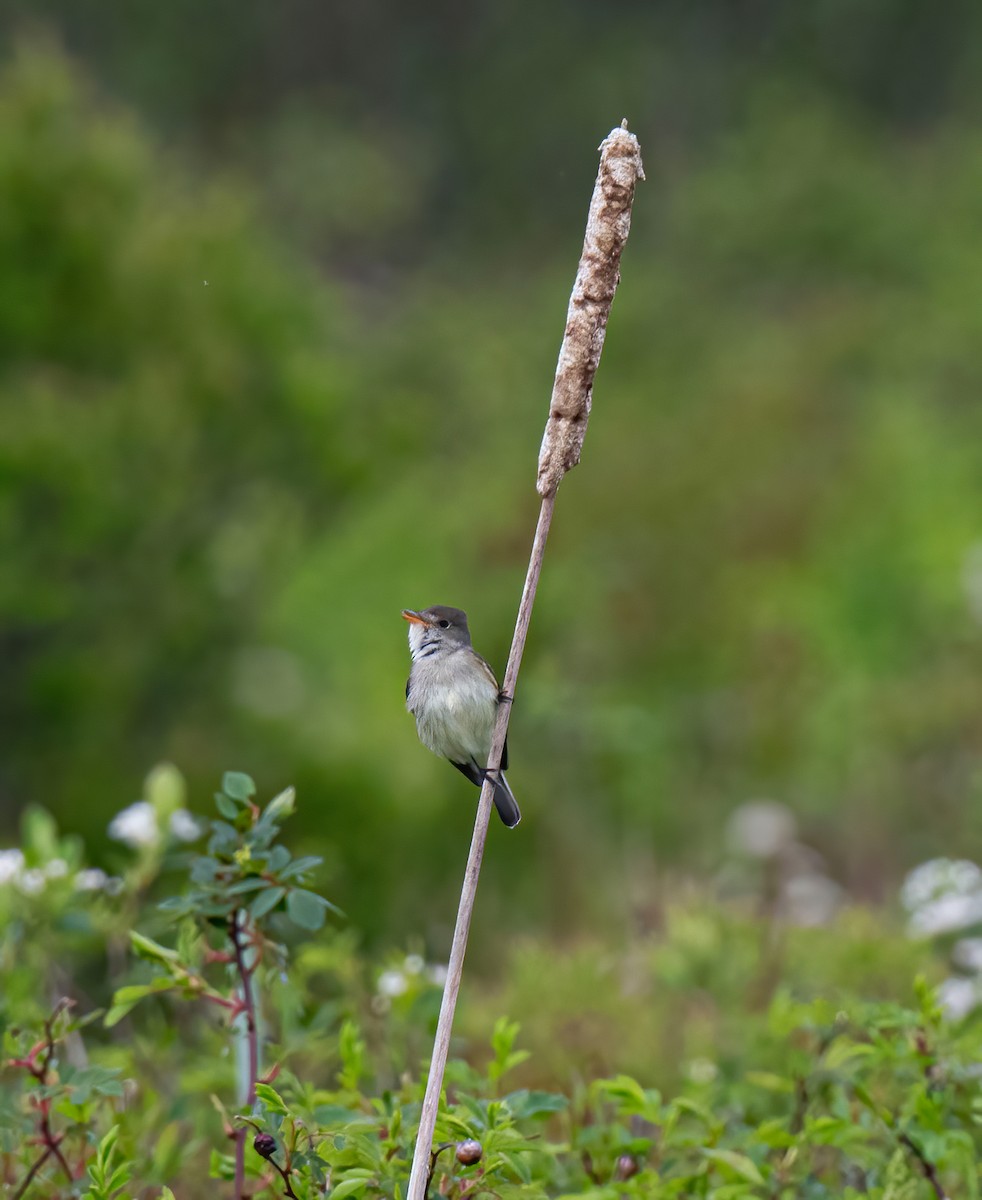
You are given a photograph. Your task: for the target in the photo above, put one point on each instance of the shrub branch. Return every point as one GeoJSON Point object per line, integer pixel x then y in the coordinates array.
{"type": "Point", "coordinates": [608, 224]}
{"type": "Point", "coordinates": [37, 1064]}
{"type": "Point", "coordinates": [252, 1035]}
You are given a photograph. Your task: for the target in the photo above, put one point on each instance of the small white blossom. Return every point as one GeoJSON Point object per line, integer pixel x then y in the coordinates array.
{"type": "Point", "coordinates": [31, 882]}
{"type": "Point", "coordinates": [761, 829]}
{"type": "Point", "coordinates": [437, 974]}
{"type": "Point", "coordinates": [967, 954]}
{"type": "Point", "coordinates": [56, 869]}
{"type": "Point", "coordinates": [947, 914]}
{"type": "Point", "coordinates": [701, 1070]}
{"type": "Point", "coordinates": [414, 964]}
{"type": "Point", "coordinates": [958, 997]}
{"type": "Point", "coordinates": [136, 825]}
{"type": "Point", "coordinates": [185, 826]}
{"type": "Point", "coordinates": [939, 877]}
{"type": "Point", "coordinates": [11, 865]}
{"type": "Point", "coordinates": [392, 983]}
{"type": "Point", "coordinates": [811, 899]}
{"type": "Point", "coordinates": [91, 880]}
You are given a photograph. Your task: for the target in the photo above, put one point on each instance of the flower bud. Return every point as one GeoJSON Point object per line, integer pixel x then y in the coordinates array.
{"type": "Point", "coordinates": [627, 1165]}
{"type": "Point", "coordinates": [469, 1152]}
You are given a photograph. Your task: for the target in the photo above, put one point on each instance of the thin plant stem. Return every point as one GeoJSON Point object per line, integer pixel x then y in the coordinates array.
{"type": "Point", "coordinates": [29, 1177]}
{"type": "Point", "coordinates": [441, 1047]}
{"type": "Point", "coordinates": [46, 1135]}
{"type": "Point", "coordinates": [928, 1169]}
{"type": "Point", "coordinates": [252, 1042]}
{"type": "Point", "coordinates": [608, 224]}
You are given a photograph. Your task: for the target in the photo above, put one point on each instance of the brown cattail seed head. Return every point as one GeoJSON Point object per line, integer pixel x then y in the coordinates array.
{"type": "Point", "coordinates": [627, 1165]}
{"type": "Point", "coordinates": [469, 1152]}
{"type": "Point", "coordinates": [264, 1145]}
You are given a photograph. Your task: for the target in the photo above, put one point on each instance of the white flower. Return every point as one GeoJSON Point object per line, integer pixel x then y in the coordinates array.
{"type": "Point", "coordinates": [136, 825]}
{"type": "Point", "coordinates": [392, 983]}
{"type": "Point", "coordinates": [701, 1070]}
{"type": "Point", "coordinates": [760, 829]}
{"type": "Point", "coordinates": [414, 964]}
{"type": "Point", "coordinates": [811, 899]}
{"type": "Point", "coordinates": [31, 882]}
{"type": "Point", "coordinates": [438, 974]}
{"type": "Point", "coordinates": [967, 954]}
{"type": "Point", "coordinates": [184, 826]}
{"type": "Point", "coordinates": [946, 915]}
{"type": "Point", "coordinates": [958, 997]}
{"type": "Point", "coordinates": [11, 865]}
{"type": "Point", "coordinates": [91, 880]}
{"type": "Point", "coordinates": [942, 895]}
{"type": "Point", "coordinates": [56, 869]}
{"type": "Point", "coordinates": [939, 877]}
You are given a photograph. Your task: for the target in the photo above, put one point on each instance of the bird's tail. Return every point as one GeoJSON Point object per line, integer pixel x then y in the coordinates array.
{"type": "Point", "coordinates": [505, 802]}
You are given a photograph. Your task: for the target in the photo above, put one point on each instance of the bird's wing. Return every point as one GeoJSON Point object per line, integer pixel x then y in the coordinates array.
{"type": "Point", "coordinates": [487, 670]}
{"type": "Point", "coordinates": [491, 675]}
{"type": "Point", "coordinates": [409, 684]}
{"type": "Point", "coordinates": [473, 772]}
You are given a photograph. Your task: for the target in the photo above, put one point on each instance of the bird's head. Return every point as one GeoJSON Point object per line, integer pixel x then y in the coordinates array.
{"type": "Point", "coordinates": [437, 626]}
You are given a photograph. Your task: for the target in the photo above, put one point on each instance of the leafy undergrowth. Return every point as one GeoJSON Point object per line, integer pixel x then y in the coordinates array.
{"type": "Point", "coordinates": [236, 1047]}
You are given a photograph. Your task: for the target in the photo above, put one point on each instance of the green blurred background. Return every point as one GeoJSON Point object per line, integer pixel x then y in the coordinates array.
{"type": "Point", "coordinates": [281, 290]}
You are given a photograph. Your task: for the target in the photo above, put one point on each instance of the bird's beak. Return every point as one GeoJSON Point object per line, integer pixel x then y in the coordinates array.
{"type": "Point", "coordinates": [414, 618]}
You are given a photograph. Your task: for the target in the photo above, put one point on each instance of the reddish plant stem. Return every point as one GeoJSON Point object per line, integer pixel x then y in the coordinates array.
{"type": "Point", "coordinates": [289, 1193]}
{"type": "Point", "coordinates": [928, 1168]}
{"type": "Point", "coordinates": [38, 1067]}
{"type": "Point", "coordinates": [29, 1177]}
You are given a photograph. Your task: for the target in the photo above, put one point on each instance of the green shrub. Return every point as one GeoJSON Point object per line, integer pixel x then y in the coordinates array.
{"type": "Point", "coordinates": [238, 1047]}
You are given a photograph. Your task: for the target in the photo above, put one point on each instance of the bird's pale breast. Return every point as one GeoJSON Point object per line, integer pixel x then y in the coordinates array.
{"type": "Point", "coordinates": [454, 703]}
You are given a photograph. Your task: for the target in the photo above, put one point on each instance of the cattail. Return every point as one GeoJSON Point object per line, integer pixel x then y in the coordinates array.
{"type": "Point", "coordinates": [589, 307]}
{"type": "Point", "coordinates": [597, 278]}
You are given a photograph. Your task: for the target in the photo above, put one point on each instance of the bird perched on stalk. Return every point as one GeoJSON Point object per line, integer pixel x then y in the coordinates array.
{"type": "Point", "coordinates": [454, 696]}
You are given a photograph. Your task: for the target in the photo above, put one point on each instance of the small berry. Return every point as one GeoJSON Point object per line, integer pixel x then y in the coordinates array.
{"type": "Point", "coordinates": [469, 1152]}
{"type": "Point", "coordinates": [264, 1145]}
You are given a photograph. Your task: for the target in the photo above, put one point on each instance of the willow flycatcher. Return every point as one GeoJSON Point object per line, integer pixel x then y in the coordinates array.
{"type": "Point", "coordinates": [454, 696]}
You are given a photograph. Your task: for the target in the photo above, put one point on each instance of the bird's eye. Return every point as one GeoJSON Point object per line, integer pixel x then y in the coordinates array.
{"type": "Point", "coordinates": [444, 624]}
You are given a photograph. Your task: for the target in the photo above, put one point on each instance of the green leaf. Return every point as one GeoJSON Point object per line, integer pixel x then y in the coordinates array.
{"type": "Point", "coordinates": [300, 865]}
{"type": "Point", "coordinates": [238, 786]}
{"type": "Point", "coordinates": [249, 884]}
{"type": "Point", "coordinates": [147, 948]}
{"type": "Point", "coordinates": [280, 806]}
{"type": "Point", "coordinates": [271, 1098]}
{"type": "Point", "coordinates": [769, 1081]}
{"type": "Point", "coordinates": [39, 834]}
{"type": "Point", "coordinates": [127, 998]}
{"type": "Point", "coordinates": [228, 808]}
{"type": "Point", "coordinates": [348, 1187]}
{"type": "Point", "coordinates": [740, 1164]}
{"type": "Point", "coordinates": [266, 901]}
{"type": "Point", "coordinates": [279, 856]}
{"type": "Point", "coordinates": [525, 1104]}
{"type": "Point", "coordinates": [306, 909]}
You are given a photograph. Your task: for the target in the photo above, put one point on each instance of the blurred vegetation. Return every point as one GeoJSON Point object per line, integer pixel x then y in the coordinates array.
{"type": "Point", "coordinates": [281, 296]}
{"type": "Point", "coordinates": [727, 1055]}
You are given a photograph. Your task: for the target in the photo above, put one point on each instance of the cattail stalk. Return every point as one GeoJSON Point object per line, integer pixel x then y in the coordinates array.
{"type": "Point", "coordinates": [608, 225]}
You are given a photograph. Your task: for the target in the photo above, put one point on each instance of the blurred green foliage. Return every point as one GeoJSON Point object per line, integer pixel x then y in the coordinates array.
{"type": "Point", "coordinates": [727, 1056]}
{"type": "Point", "coordinates": [223, 469]}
